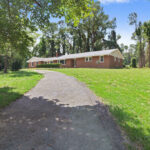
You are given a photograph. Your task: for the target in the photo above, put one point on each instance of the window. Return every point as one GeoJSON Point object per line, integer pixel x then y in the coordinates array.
{"type": "Point", "coordinates": [88, 59]}
{"type": "Point", "coordinates": [115, 59]}
{"type": "Point", "coordinates": [62, 62]}
{"type": "Point", "coordinates": [32, 64]}
{"type": "Point", "coordinates": [36, 63]}
{"type": "Point", "coordinates": [101, 59]}
{"type": "Point", "coordinates": [51, 62]}
{"type": "Point", "coordinates": [118, 60]}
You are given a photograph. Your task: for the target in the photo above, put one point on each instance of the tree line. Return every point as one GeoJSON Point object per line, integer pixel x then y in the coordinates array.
{"type": "Point", "coordinates": [19, 19]}
{"type": "Point", "coordinates": [91, 34]}
{"type": "Point", "coordinates": [141, 49]}
{"type": "Point", "coordinates": [84, 28]}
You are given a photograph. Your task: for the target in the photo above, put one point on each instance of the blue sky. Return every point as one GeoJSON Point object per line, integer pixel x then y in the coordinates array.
{"type": "Point", "coordinates": [121, 9]}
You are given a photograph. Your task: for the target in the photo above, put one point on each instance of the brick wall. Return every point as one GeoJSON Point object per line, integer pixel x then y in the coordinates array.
{"type": "Point", "coordinates": [115, 62]}
{"type": "Point", "coordinates": [35, 64]}
{"type": "Point", "coordinates": [109, 62]}
{"type": "Point", "coordinates": [69, 63]}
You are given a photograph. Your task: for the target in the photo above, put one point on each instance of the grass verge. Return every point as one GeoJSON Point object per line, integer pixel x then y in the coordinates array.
{"type": "Point", "coordinates": [14, 84]}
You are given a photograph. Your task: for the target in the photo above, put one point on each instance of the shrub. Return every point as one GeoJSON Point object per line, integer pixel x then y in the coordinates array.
{"type": "Point", "coordinates": [48, 66]}
{"type": "Point", "coordinates": [1, 63]}
{"type": "Point", "coordinates": [16, 64]}
{"type": "Point", "coordinates": [133, 63]}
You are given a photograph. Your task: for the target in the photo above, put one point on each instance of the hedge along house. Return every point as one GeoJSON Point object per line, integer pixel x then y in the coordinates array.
{"type": "Point", "coordinates": [96, 59]}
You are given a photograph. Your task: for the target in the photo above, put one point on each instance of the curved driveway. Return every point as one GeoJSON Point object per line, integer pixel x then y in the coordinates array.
{"type": "Point", "coordinates": [60, 113]}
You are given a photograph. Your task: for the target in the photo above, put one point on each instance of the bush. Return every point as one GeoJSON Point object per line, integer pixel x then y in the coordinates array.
{"type": "Point", "coordinates": [133, 63]}
{"type": "Point", "coordinates": [48, 66]}
{"type": "Point", "coordinates": [1, 63]}
{"type": "Point", "coordinates": [16, 64]}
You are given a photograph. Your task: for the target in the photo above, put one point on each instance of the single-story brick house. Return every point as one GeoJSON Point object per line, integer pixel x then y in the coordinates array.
{"type": "Point", "coordinates": [96, 59]}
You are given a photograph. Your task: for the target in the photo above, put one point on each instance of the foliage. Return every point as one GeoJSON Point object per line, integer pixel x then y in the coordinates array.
{"type": "Point", "coordinates": [15, 28]}
{"type": "Point", "coordinates": [49, 66]}
{"type": "Point", "coordinates": [20, 18]}
{"type": "Point", "coordinates": [138, 36]}
{"type": "Point", "coordinates": [133, 63]}
{"type": "Point", "coordinates": [16, 64]}
{"type": "Point", "coordinates": [112, 42]}
{"type": "Point", "coordinates": [14, 84]}
{"type": "Point", "coordinates": [126, 91]}
{"type": "Point", "coordinates": [87, 36]}
{"type": "Point", "coordinates": [1, 63]}
{"type": "Point", "coordinates": [146, 27]}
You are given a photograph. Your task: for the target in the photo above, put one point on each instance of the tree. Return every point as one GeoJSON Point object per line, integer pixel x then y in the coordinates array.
{"type": "Point", "coordinates": [133, 62]}
{"type": "Point", "coordinates": [14, 37]}
{"type": "Point", "coordinates": [96, 27]}
{"type": "Point", "coordinates": [42, 47]}
{"type": "Point", "coordinates": [146, 27]}
{"type": "Point", "coordinates": [87, 36]}
{"type": "Point", "coordinates": [112, 41]}
{"type": "Point", "coordinates": [20, 16]}
{"type": "Point", "coordinates": [90, 32]}
{"type": "Point", "coordinates": [138, 36]}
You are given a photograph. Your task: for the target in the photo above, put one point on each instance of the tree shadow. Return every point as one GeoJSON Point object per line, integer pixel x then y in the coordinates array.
{"type": "Point", "coordinates": [22, 73]}
{"type": "Point", "coordinates": [42, 124]}
{"type": "Point", "coordinates": [133, 127]}
{"type": "Point", "coordinates": [7, 95]}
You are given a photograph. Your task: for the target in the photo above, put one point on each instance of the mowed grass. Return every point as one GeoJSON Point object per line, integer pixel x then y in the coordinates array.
{"type": "Point", "coordinates": [14, 84]}
{"type": "Point", "coordinates": [127, 93]}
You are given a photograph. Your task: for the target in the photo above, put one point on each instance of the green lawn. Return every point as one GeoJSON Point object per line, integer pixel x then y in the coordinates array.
{"type": "Point", "coordinates": [127, 92]}
{"type": "Point", "coordinates": [14, 84]}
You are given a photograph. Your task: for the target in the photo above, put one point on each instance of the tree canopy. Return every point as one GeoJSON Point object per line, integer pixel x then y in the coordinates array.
{"type": "Point", "coordinates": [20, 18]}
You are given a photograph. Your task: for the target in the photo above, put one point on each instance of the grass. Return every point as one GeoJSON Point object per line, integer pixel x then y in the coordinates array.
{"type": "Point", "coordinates": [14, 84]}
{"type": "Point", "coordinates": [127, 93]}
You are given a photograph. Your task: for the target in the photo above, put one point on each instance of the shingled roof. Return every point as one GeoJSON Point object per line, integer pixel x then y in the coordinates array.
{"type": "Point", "coordinates": [113, 52]}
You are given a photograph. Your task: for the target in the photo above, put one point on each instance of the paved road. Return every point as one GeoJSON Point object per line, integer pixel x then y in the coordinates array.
{"type": "Point", "coordinates": [60, 113]}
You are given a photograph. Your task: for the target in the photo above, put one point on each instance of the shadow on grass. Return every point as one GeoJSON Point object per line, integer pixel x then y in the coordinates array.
{"type": "Point", "coordinates": [134, 130]}
{"type": "Point", "coordinates": [23, 73]}
{"type": "Point", "coordinates": [7, 95]}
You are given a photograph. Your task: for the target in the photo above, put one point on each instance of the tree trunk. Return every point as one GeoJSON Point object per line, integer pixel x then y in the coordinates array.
{"type": "Point", "coordinates": [88, 42]}
{"type": "Point", "coordinates": [64, 45]}
{"type": "Point", "coordinates": [149, 54]}
{"type": "Point", "coordinates": [141, 55]}
{"type": "Point", "coordinates": [5, 64]}
{"type": "Point", "coordinates": [74, 44]}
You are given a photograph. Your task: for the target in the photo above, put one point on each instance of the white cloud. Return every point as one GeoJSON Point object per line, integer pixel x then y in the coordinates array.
{"type": "Point", "coordinates": [114, 1]}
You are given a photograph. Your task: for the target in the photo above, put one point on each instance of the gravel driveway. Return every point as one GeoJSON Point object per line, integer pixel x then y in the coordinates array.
{"type": "Point", "coordinates": [60, 113]}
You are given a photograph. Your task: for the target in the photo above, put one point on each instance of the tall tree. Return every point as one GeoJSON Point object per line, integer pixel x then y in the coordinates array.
{"type": "Point", "coordinates": [112, 41]}
{"type": "Point", "coordinates": [138, 36]}
{"type": "Point", "coordinates": [96, 27]}
{"type": "Point", "coordinates": [18, 16]}
{"type": "Point", "coordinates": [147, 35]}
{"type": "Point", "coordinates": [42, 48]}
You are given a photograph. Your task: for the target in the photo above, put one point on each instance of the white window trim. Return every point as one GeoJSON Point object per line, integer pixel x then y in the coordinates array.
{"type": "Point", "coordinates": [100, 59]}
{"type": "Point", "coordinates": [88, 59]}
{"type": "Point", "coordinates": [32, 64]}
